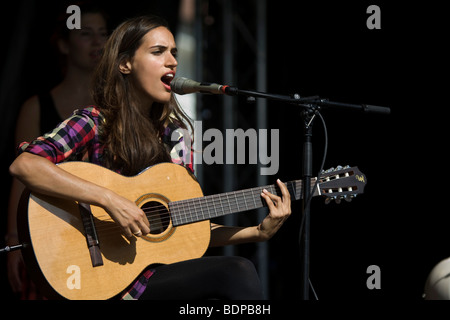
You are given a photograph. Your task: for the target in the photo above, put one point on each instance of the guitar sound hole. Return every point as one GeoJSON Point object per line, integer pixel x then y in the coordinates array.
{"type": "Point", "coordinates": [157, 215]}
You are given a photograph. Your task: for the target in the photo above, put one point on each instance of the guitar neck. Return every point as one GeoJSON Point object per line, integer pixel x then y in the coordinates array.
{"type": "Point", "coordinates": [205, 208]}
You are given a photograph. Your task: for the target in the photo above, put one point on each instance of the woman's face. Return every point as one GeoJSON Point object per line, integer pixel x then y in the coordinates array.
{"type": "Point", "coordinates": [153, 66]}
{"type": "Point", "coordinates": [84, 46]}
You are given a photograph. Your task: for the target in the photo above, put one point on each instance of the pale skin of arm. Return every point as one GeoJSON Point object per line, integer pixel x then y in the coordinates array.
{"type": "Point", "coordinates": [41, 175]}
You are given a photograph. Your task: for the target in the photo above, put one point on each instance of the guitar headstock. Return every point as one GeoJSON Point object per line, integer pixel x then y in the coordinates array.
{"type": "Point", "coordinates": [341, 183]}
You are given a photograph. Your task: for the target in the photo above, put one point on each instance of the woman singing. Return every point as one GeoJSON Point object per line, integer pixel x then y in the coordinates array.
{"type": "Point", "coordinates": [127, 130]}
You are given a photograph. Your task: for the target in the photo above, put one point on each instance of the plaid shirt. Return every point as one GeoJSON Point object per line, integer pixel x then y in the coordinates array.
{"type": "Point", "coordinates": [78, 139]}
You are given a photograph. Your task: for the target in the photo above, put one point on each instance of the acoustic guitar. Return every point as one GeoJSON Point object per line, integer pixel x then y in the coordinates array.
{"type": "Point", "coordinates": [76, 251]}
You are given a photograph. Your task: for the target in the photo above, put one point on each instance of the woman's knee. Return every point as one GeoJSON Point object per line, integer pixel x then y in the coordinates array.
{"type": "Point", "coordinates": [245, 279]}
{"type": "Point", "coordinates": [243, 265]}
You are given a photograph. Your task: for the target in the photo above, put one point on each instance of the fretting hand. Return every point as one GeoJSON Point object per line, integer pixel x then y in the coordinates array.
{"type": "Point", "coordinates": [279, 211]}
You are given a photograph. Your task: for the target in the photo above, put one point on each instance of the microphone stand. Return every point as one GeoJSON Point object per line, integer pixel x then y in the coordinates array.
{"type": "Point", "coordinates": [311, 106]}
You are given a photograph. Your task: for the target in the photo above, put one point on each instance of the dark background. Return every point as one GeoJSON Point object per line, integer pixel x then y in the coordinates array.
{"type": "Point", "coordinates": [325, 49]}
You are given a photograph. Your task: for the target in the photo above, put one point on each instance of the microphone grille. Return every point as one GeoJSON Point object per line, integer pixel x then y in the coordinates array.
{"type": "Point", "coordinates": [177, 85]}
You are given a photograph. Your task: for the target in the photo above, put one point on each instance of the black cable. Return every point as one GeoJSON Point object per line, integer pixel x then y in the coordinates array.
{"type": "Point", "coordinates": [308, 202]}
{"type": "Point", "coordinates": [312, 289]}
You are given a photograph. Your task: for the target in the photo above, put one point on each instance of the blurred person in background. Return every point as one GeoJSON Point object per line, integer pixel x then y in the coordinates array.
{"type": "Point", "coordinates": [80, 51]}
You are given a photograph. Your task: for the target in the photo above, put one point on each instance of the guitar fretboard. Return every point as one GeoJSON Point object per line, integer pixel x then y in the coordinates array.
{"type": "Point", "coordinates": [204, 208]}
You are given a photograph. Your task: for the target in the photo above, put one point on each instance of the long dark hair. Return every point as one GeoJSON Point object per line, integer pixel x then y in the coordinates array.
{"type": "Point", "coordinates": [132, 139]}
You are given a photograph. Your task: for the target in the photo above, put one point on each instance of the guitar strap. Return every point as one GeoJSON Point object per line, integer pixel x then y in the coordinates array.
{"type": "Point", "coordinates": [91, 234]}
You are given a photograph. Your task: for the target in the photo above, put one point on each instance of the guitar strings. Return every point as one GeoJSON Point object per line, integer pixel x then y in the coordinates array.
{"type": "Point", "coordinates": [210, 205]}
{"type": "Point", "coordinates": [186, 211]}
{"type": "Point", "coordinates": [163, 216]}
{"type": "Point", "coordinates": [191, 210]}
{"type": "Point", "coordinates": [159, 216]}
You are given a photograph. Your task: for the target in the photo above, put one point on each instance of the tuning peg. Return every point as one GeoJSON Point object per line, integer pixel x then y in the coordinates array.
{"type": "Point", "coordinates": [329, 170]}
{"type": "Point", "coordinates": [338, 200]}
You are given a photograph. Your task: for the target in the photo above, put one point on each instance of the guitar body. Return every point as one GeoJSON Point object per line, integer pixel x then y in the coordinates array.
{"type": "Point", "coordinates": [76, 251]}
{"type": "Point", "coordinates": [57, 252]}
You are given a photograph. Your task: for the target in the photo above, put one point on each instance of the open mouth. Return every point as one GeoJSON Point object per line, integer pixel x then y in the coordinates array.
{"type": "Point", "coordinates": [167, 79]}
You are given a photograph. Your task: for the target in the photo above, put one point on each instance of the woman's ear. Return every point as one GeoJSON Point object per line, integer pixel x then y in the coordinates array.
{"type": "Point", "coordinates": [63, 47]}
{"type": "Point", "coordinates": [125, 66]}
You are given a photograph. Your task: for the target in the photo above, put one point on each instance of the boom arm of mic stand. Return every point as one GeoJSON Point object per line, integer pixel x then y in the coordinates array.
{"type": "Point", "coordinates": [233, 91]}
{"type": "Point", "coordinates": [307, 101]}
{"type": "Point", "coordinates": [356, 107]}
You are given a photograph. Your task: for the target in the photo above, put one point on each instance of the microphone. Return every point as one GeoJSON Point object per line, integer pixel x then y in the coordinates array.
{"type": "Point", "coordinates": [183, 85]}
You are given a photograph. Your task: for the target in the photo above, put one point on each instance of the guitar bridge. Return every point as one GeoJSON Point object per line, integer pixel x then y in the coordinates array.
{"type": "Point", "coordinates": [91, 234]}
